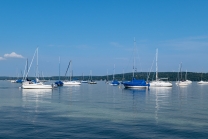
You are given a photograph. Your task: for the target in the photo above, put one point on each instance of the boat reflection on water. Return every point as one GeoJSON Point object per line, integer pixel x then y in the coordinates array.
{"type": "Point", "coordinates": [161, 89]}
{"type": "Point", "coordinates": [72, 88]}
{"type": "Point", "coordinates": [136, 90]}
{"type": "Point", "coordinates": [160, 95]}
{"type": "Point", "coordinates": [36, 94]}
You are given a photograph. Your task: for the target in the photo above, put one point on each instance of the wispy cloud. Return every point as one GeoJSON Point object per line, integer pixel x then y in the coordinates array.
{"type": "Point", "coordinates": [1, 58]}
{"type": "Point", "coordinates": [115, 44]}
{"type": "Point", "coordinates": [51, 45]}
{"type": "Point", "coordinates": [121, 58]}
{"type": "Point", "coordinates": [82, 47]}
{"type": "Point", "coordinates": [13, 55]}
{"type": "Point", "coordinates": [55, 46]}
{"type": "Point", "coordinates": [190, 43]}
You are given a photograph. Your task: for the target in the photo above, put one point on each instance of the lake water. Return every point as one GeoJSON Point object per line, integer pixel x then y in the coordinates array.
{"type": "Point", "coordinates": [103, 111]}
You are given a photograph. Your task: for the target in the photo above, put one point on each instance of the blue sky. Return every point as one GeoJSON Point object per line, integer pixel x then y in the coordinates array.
{"type": "Point", "coordinates": [96, 34]}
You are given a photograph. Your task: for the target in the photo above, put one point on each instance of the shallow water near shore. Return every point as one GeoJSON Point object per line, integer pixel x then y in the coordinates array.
{"type": "Point", "coordinates": [103, 111]}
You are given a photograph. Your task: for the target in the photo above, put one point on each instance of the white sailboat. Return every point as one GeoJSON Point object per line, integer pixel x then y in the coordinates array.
{"type": "Point", "coordinates": [187, 81]}
{"type": "Point", "coordinates": [159, 82]}
{"type": "Point", "coordinates": [13, 81]}
{"type": "Point", "coordinates": [107, 78]}
{"type": "Point", "coordinates": [91, 81]}
{"type": "Point", "coordinates": [202, 82]}
{"type": "Point", "coordinates": [35, 84]}
{"type": "Point", "coordinates": [83, 81]}
{"type": "Point", "coordinates": [43, 79]}
{"type": "Point", "coordinates": [114, 82]}
{"type": "Point", "coordinates": [70, 82]}
{"type": "Point", "coordinates": [180, 81]}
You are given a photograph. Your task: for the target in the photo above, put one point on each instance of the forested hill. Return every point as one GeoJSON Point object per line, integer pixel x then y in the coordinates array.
{"type": "Point", "coordinates": [172, 76]}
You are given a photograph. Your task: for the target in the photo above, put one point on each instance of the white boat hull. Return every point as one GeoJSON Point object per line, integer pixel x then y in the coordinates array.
{"type": "Point", "coordinates": [36, 86]}
{"type": "Point", "coordinates": [182, 83]}
{"type": "Point", "coordinates": [139, 87]}
{"type": "Point", "coordinates": [71, 83]}
{"type": "Point", "coordinates": [84, 81]}
{"type": "Point", "coordinates": [92, 82]}
{"type": "Point", "coordinates": [114, 84]}
{"type": "Point", "coordinates": [202, 82]}
{"type": "Point", "coordinates": [188, 81]}
{"type": "Point", "coordinates": [160, 84]}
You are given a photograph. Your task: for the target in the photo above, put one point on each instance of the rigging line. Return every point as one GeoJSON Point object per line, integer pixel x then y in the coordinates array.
{"type": "Point", "coordinates": [67, 68]}
{"type": "Point", "coordinates": [25, 70]}
{"type": "Point", "coordinates": [151, 68]}
{"type": "Point", "coordinates": [31, 64]}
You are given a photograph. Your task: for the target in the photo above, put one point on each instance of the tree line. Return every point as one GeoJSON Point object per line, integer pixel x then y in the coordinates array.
{"type": "Point", "coordinates": [172, 76]}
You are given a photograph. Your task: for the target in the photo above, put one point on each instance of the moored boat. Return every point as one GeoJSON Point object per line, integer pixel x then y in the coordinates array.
{"type": "Point", "coordinates": [135, 83]}
{"type": "Point", "coordinates": [159, 82]}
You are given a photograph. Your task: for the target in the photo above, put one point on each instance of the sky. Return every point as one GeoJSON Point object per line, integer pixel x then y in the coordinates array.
{"type": "Point", "coordinates": [98, 34]}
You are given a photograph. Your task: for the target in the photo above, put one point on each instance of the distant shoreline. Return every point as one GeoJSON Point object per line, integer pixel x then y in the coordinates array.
{"type": "Point", "coordinates": [172, 76]}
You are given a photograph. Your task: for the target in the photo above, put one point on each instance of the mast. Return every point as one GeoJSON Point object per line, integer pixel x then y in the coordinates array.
{"type": "Point", "coordinates": [91, 74]}
{"type": "Point", "coordinates": [59, 67]}
{"type": "Point", "coordinates": [27, 67]}
{"type": "Point", "coordinates": [70, 70]}
{"type": "Point", "coordinates": [113, 72]}
{"type": "Point", "coordinates": [134, 57]}
{"type": "Point", "coordinates": [180, 71]}
{"type": "Point", "coordinates": [186, 76]}
{"type": "Point", "coordinates": [123, 74]}
{"type": "Point", "coordinates": [37, 74]}
{"type": "Point", "coordinates": [71, 75]}
{"type": "Point", "coordinates": [156, 65]}
{"type": "Point", "coordinates": [43, 76]}
{"type": "Point", "coordinates": [107, 74]}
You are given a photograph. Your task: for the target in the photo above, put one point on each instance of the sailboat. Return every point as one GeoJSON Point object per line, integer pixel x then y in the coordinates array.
{"type": "Point", "coordinates": [188, 81]}
{"type": "Point", "coordinates": [43, 79]}
{"type": "Point", "coordinates": [91, 81]}
{"type": "Point", "coordinates": [19, 80]}
{"type": "Point", "coordinates": [36, 84]}
{"type": "Point", "coordinates": [134, 83]}
{"type": "Point", "coordinates": [180, 81]}
{"type": "Point", "coordinates": [13, 81]}
{"type": "Point", "coordinates": [83, 81]}
{"type": "Point", "coordinates": [202, 82]}
{"type": "Point", "coordinates": [70, 82]}
{"type": "Point", "coordinates": [59, 82]}
{"type": "Point", "coordinates": [159, 82]}
{"type": "Point", "coordinates": [114, 82]}
{"type": "Point", "coordinates": [107, 78]}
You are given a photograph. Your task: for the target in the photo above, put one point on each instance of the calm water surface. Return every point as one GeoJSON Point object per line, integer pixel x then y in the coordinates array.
{"type": "Point", "coordinates": [103, 111]}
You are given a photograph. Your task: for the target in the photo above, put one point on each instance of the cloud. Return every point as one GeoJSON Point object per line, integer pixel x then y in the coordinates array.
{"type": "Point", "coordinates": [84, 47]}
{"type": "Point", "coordinates": [13, 55]}
{"type": "Point", "coordinates": [191, 43]}
{"type": "Point", "coordinates": [115, 44]}
{"type": "Point", "coordinates": [121, 58]}
{"type": "Point", "coordinates": [1, 58]}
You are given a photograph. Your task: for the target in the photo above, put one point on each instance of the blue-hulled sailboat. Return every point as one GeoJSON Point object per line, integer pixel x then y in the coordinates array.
{"type": "Point", "coordinates": [114, 82]}
{"type": "Point", "coordinates": [59, 82]}
{"type": "Point", "coordinates": [134, 83]}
